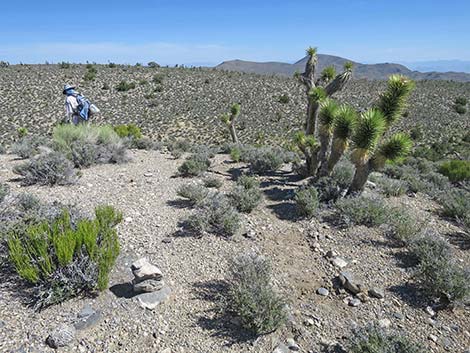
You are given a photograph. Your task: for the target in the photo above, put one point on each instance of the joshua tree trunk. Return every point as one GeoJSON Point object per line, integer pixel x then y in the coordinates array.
{"type": "Point", "coordinates": [312, 117]}
{"type": "Point", "coordinates": [325, 142]}
{"type": "Point", "coordinates": [337, 150]}
{"type": "Point", "coordinates": [360, 178]}
{"type": "Point", "coordinates": [233, 131]}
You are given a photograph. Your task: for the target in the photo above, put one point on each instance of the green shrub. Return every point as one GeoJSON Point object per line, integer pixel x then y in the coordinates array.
{"type": "Point", "coordinates": [455, 203]}
{"type": "Point", "coordinates": [193, 192]}
{"type": "Point", "coordinates": [373, 339]}
{"type": "Point", "coordinates": [284, 99]}
{"type": "Point", "coordinates": [461, 101]}
{"type": "Point", "coordinates": [250, 296]}
{"type": "Point", "coordinates": [437, 272]}
{"type": "Point", "coordinates": [125, 86]}
{"type": "Point", "coordinates": [246, 194]}
{"type": "Point", "coordinates": [235, 154]}
{"type": "Point", "coordinates": [456, 170]}
{"type": "Point", "coordinates": [22, 132]}
{"type": "Point", "coordinates": [403, 226]}
{"type": "Point", "coordinates": [368, 211]}
{"type": "Point", "coordinates": [212, 182]}
{"type": "Point", "coordinates": [47, 169]}
{"type": "Point", "coordinates": [158, 79]}
{"type": "Point", "coordinates": [90, 75]}
{"type": "Point", "coordinates": [195, 165]}
{"type": "Point", "coordinates": [64, 259]}
{"type": "Point", "coordinates": [343, 174]}
{"type": "Point", "coordinates": [28, 146]}
{"type": "Point", "coordinates": [215, 215]}
{"type": "Point", "coordinates": [460, 109]}
{"type": "Point", "coordinates": [179, 145]}
{"type": "Point", "coordinates": [86, 145]}
{"type": "Point", "coordinates": [129, 130]}
{"type": "Point", "coordinates": [307, 202]}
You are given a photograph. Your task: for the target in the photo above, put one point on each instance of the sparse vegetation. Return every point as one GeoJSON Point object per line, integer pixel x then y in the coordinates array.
{"type": "Point", "coordinates": [63, 259]}
{"type": "Point", "coordinates": [251, 297]}
{"type": "Point", "coordinates": [456, 170]}
{"type": "Point", "coordinates": [195, 193]}
{"type": "Point", "coordinates": [246, 194]}
{"type": "Point", "coordinates": [368, 211]}
{"type": "Point", "coordinates": [195, 165]}
{"type": "Point", "coordinates": [307, 201]}
{"type": "Point", "coordinates": [28, 146]}
{"type": "Point", "coordinates": [125, 86]}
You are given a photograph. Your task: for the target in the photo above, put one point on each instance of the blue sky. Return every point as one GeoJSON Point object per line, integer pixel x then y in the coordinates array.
{"type": "Point", "coordinates": [176, 31]}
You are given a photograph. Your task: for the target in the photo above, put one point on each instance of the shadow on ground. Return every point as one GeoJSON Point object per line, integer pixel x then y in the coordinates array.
{"type": "Point", "coordinates": [216, 320]}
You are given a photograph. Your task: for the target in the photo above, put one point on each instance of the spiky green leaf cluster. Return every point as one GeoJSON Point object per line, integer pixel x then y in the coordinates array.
{"type": "Point", "coordinates": [396, 147]}
{"type": "Point", "coordinates": [328, 73]}
{"type": "Point", "coordinates": [369, 129]}
{"type": "Point", "coordinates": [345, 122]}
{"type": "Point", "coordinates": [317, 94]}
{"type": "Point", "coordinates": [303, 140]}
{"type": "Point", "coordinates": [348, 66]}
{"type": "Point", "coordinates": [393, 101]}
{"type": "Point", "coordinates": [311, 51]}
{"type": "Point", "coordinates": [328, 110]}
{"type": "Point", "coordinates": [235, 109]}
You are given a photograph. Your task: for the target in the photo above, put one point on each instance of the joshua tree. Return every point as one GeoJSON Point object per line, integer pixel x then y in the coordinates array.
{"type": "Point", "coordinates": [330, 127]}
{"type": "Point", "coordinates": [317, 91]}
{"type": "Point", "coordinates": [230, 119]}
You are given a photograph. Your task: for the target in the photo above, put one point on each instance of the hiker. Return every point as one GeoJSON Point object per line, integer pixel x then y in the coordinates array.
{"type": "Point", "coordinates": [78, 109]}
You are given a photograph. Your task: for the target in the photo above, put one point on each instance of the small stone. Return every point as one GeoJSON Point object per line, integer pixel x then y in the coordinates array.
{"type": "Point", "coordinates": [87, 317]}
{"type": "Point", "coordinates": [323, 291]}
{"type": "Point", "coordinates": [309, 322]}
{"type": "Point", "coordinates": [167, 240]}
{"type": "Point", "coordinates": [148, 175]}
{"type": "Point", "coordinates": [331, 254]}
{"type": "Point", "coordinates": [385, 323]}
{"type": "Point", "coordinates": [61, 336]}
{"type": "Point", "coordinates": [148, 286]}
{"type": "Point", "coordinates": [430, 311]}
{"type": "Point", "coordinates": [362, 297]}
{"type": "Point", "coordinates": [281, 348]}
{"type": "Point", "coordinates": [354, 302]}
{"type": "Point", "coordinates": [292, 345]}
{"type": "Point", "coordinates": [166, 350]}
{"type": "Point", "coordinates": [433, 338]}
{"type": "Point", "coordinates": [399, 316]}
{"type": "Point", "coordinates": [339, 262]}
{"type": "Point", "coordinates": [378, 293]}
{"type": "Point", "coordinates": [347, 281]}
{"type": "Point", "coordinates": [128, 219]}
{"type": "Point", "coordinates": [143, 270]}
{"type": "Point", "coordinates": [151, 300]}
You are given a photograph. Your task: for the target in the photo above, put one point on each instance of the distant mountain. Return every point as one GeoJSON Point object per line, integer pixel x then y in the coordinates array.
{"type": "Point", "coordinates": [440, 65]}
{"type": "Point", "coordinates": [367, 71]}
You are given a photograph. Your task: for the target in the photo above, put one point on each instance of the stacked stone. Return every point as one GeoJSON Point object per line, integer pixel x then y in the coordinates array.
{"type": "Point", "coordinates": [148, 284]}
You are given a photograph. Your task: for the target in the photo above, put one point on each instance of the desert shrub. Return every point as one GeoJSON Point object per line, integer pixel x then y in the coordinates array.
{"type": "Point", "coordinates": [306, 200]}
{"type": "Point", "coordinates": [235, 154]}
{"type": "Point", "coordinates": [22, 132]}
{"type": "Point", "coordinates": [343, 173]}
{"type": "Point", "coordinates": [28, 146]}
{"type": "Point", "coordinates": [129, 130]}
{"type": "Point", "coordinates": [47, 169]}
{"type": "Point", "coordinates": [456, 170]}
{"type": "Point", "coordinates": [328, 189]}
{"type": "Point", "coordinates": [158, 79]}
{"type": "Point", "coordinates": [437, 272]}
{"type": "Point", "coordinates": [64, 65]}
{"type": "Point", "coordinates": [461, 101]}
{"type": "Point", "coordinates": [437, 180]}
{"type": "Point", "coordinates": [179, 144]}
{"type": "Point", "coordinates": [63, 259]}
{"type": "Point", "coordinates": [251, 297]}
{"type": "Point", "coordinates": [402, 225]}
{"type": "Point", "coordinates": [368, 211]}
{"type": "Point", "coordinates": [90, 75]}
{"type": "Point", "coordinates": [460, 109]}
{"type": "Point", "coordinates": [212, 182]}
{"type": "Point", "coordinates": [145, 143]}
{"type": "Point", "coordinates": [153, 65]}
{"type": "Point", "coordinates": [455, 203]}
{"type": "Point", "coordinates": [4, 191]}
{"type": "Point", "coordinates": [416, 133]}
{"type": "Point", "coordinates": [373, 339]}
{"type": "Point", "coordinates": [246, 194]}
{"type": "Point", "coordinates": [284, 99]}
{"type": "Point", "coordinates": [86, 145]}
{"type": "Point", "coordinates": [215, 214]}
{"type": "Point", "coordinates": [264, 160]}
{"type": "Point", "coordinates": [194, 165]}
{"type": "Point", "coordinates": [193, 192]}
{"type": "Point", "coordinates": [125, 86]}
{"type": "Point", "coordinates": [392, 187]}
{"type": "Point", "coordinates": [176, 154]}
{"type": "Point", "coordinates": [28, 202]}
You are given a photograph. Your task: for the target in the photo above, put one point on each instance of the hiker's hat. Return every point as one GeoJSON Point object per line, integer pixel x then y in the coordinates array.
{"type": "Point", "coordinates": [67, 87]}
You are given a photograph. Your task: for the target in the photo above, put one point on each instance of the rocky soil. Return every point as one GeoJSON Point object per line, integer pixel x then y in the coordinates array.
{"type": "Point", "coordinates": [188, 102]}
{"type": "Point", "coordinates": [194, 268]}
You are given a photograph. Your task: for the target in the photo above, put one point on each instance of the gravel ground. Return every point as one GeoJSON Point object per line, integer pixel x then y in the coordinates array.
{"type": "Point", "coordinates": [193, 268]}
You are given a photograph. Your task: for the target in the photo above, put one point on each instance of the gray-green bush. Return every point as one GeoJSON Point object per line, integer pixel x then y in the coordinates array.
{"type": "Point", "coordinates": [251, 296]}
{"type": "Point", "coordinates": [194, 165]}
{"type": "Point", "coordinates": [193, 192]}
{"type": "Point", "coordinates": [368, 211]}
{"type": "Point", "coordinates": [307, 202]}
{"type": "Point", "coordinates": [28, 146]}
{"type": "Point", "coordinates": [246, 194]}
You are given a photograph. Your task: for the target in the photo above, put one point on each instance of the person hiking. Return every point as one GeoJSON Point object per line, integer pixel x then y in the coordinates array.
{"type": "Point", "coordinates": [78, 109]}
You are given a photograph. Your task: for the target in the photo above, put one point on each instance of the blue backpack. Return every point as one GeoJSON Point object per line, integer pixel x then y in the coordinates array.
{"type": "Point", "coordinates": [83, 107]}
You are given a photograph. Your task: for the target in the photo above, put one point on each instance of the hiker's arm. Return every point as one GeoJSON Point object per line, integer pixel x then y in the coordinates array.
{"type": "Point", "coordinates": [68, 111]}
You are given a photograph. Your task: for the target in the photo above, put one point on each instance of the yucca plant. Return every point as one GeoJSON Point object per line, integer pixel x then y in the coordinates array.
{"type": "Point", "coordinates": [230, 119]}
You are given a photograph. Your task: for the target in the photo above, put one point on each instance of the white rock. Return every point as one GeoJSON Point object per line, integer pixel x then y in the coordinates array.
{"type": "Point", "coordinates": [152, 300]}
{"type": "Point", "coordinates": [385, 323]}
{"type": "Point", "coordinates": [339, 262]}
{"type": "Point", "coordinates": [142, 270]}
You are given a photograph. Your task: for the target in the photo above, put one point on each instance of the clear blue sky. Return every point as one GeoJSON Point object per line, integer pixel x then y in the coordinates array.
{"type": "Point", "coordinates": [176, 31]}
